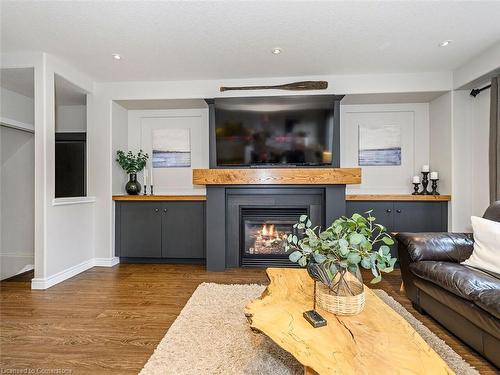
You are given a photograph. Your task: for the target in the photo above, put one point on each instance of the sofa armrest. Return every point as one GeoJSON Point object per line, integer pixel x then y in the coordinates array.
{"type": "Point", "coordinates": [446, 247]}
{"type": "Point", "coordinates": [415, 247]}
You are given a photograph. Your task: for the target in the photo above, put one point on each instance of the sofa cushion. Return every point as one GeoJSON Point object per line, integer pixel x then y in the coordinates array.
{"type": "Point", "coordinates": [489, 300]}
{"type": "Point", "coordinates": [481, 288]}
{"type": "Point", "coordinates": [467, 309]}
{"type": "Point", "coordinates": [486, 253]}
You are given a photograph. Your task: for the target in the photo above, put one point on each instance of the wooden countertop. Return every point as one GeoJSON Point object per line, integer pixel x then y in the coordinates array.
{"type": "Point", "coordinates": [277, 176]}
{"type": "Point", "coordinates": [159, 198]}
{"type": "Point", "coordinates": [398, 197]}
{"type": "Point", "coordinates": [349, 197]}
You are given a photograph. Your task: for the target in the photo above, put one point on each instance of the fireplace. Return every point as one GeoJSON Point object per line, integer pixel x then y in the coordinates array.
{"type": "Point", "coordinates": [263, 234]}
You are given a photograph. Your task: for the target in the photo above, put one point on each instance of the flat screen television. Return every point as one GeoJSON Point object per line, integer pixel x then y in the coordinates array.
{"type": "Point", "coordinates": [275, 131]}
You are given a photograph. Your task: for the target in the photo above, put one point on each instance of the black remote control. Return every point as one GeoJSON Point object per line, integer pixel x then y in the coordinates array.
{"type": "Point", "coordinates": [314, 318]}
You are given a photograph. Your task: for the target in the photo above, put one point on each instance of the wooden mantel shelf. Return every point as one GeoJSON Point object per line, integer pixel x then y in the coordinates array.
{"type": "Point", "coordinates": [159, 197]}
{"type": "Point", "coordinates": [398, 197]}
{"type": "Point", "coordinates": [277, 176]}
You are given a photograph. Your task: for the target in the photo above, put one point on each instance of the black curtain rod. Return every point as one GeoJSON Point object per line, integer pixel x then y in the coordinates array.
{"type": "Point", "coordinates": [474, 92]}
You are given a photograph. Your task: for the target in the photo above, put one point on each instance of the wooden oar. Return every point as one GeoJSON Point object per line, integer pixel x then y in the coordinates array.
{"type": "Point", "coordinates": [298, 86]}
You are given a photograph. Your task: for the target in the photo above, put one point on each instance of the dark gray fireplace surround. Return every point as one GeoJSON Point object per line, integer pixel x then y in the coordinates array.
{"type": "Point", "coordinates": [224, 204]}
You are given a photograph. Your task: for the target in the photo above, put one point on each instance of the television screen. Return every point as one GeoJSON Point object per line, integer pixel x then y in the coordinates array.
{"type": "Point", "coordinates": [274, 131]}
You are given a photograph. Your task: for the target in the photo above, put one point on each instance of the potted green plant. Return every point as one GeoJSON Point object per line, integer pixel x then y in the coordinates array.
{"type": "Point", "coordinates": [132, 164]}
{"type": "Point", "coordinates": [333, 257]}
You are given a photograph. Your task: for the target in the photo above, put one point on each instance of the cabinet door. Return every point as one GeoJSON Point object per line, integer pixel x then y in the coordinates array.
{"type": "Point", "coordinates": [183, 230]}
{"type": "Point", "coordinates": [381, 211]}
{"type": "Point", "coordinates": [141, 230]}
{"type": "Point", "coordinates": [418, 217]}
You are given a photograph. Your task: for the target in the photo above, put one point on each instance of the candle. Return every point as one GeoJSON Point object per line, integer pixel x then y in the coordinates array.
{"type": "Point", "coordinates": [434, 176]}
{"type": "Point", "coordinates": [151, 177]}
{"type": "Point", "coordinates": [416, 179]}
{"type": "Point", "coordinates": [425, 168]}
{"type": "Point", "coordinates": [145, 176]}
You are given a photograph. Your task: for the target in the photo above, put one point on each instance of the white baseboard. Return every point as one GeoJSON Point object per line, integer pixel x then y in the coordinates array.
{"type": "Point", "coordinates": [45, 283]}
{"type": "Point", "coordinates": [106, 262]}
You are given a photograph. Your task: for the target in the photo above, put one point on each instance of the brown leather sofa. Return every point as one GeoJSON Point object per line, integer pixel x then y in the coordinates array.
{"type": "Point", "coordinates": [463, 299]}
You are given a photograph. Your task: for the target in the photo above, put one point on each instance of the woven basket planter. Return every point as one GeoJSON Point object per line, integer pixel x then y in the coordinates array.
{"type": "Point", "coordinates": [339, 304]}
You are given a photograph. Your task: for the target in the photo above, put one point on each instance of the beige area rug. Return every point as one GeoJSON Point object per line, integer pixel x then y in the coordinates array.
{"type": "Point", "coordinates": [212, 336]}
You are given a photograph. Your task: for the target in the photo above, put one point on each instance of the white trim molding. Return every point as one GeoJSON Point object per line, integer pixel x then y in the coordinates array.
{"type": "Point", "coordinates": [17, 124]}
{"type": "Point", "coordinates": [72, 200]}
{"type": "Point", "coordinates": [45, 283]}
{"type": "Point", "coordinates": [106, 262]}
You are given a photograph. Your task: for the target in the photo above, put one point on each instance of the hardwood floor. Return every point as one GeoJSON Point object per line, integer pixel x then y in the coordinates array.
{"type": "Point", "coordinates": [109, 320]}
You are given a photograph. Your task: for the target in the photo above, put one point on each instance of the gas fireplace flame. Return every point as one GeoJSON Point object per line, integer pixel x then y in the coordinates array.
{"type": "Point", "coordinates": [267, 230]}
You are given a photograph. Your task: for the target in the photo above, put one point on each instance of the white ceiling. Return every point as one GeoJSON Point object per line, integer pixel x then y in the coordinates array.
{"type": "Point", "coordinates": [19, 80]}
{"type": "Point", "coordinates": [184, 40]}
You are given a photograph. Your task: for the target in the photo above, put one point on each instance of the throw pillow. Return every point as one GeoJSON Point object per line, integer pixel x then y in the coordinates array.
{"type": "Point", "coordinates": [486, 253]}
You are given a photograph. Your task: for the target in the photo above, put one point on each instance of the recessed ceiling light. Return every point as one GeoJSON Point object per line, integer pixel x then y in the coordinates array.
{"type": "Point", "coordinates": [445, 43]}
{"type": "Point", "coordinates": [116, 56]}
{"type": "Point", "coordinates": [277, 51]}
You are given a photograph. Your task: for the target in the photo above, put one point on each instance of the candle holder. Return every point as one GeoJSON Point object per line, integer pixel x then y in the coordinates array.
{"type": "Point", "coordinates": [434, 187]}
{"type": "Point", "coordinates": [425, 183]}
{"type": "Point", "coordinates": [145, 189]}
{"type": "Point", "coordinates": [151, 190]}
{"type": "Point", "coordinates": [415, 188]}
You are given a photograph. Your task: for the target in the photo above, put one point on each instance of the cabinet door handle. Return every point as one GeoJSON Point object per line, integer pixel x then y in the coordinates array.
{"type": "Point", "coordinates": [164, 210]}
{"type": "Point", "coordinates": [157, 209]}
{"type": "Point", "coordinates": [398, 211]}
{"type": "Point", "coordinates": [388, 211]}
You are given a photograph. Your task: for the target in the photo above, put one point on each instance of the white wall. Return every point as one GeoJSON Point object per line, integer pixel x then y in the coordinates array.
{"type": "Point", "coordinates": [16, 108]}
{"type": "Point", "coordinates": [470, 140]}
{"type": "Point", "coordinates": [414, 123]}
{"type": "Point", "coordinates": [69, 227]}
{"type": "Point", "coordinates": [71, 118]}
{"type": "Point", "coordinates": [17, 206]}
{"type": "Point", "coordinates": [172, 180]}
{"type": "Point", "coordinates": [440, 140]}
{"type": "Point", "coordinates": [480, 65]}
{"type": "Point", "coordinates": [480, 160]}
{"type": "Point", "coordinates": [120, 142]}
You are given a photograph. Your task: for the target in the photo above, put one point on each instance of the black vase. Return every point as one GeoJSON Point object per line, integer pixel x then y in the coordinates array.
{"type": "Point", "coordinates": [133, 187]}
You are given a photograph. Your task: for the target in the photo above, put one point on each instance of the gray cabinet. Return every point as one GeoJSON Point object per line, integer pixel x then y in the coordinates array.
{"type": "Point", "coordinates": [420, 217]}
{"type": "Point", "coordinates": [183, 230]}
{"type": "Point", "coordinates": [402, 216]}
{"type": "Point", "coordinates": [141, 230]}
{"type": "Point", "coordinates": [160, 231]}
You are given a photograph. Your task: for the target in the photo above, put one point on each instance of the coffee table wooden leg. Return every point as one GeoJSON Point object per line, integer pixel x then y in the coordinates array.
{"type": "Point", "coordinates": [402, 287]}
{"type": "Point", "coordinates": [309, 371]}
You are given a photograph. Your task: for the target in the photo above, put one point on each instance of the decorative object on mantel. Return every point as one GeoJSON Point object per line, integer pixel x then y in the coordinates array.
{"type": "Point", "coordinates": [416, 184]}
{"type": "Point", "coordinates": [132, 164]}
{"type": "Point", "coordinates": [425, 180]}
{"type": "Point", "coordinates": [294, 86]}
{"type": "Point", "coordinates": [145, 181]}
{"type": "Point", "coordinates": [434, 177]}
{"type": "Point", "coordinates": [434, 181]}
{"type": "Point", "coordinates": [332, 257]}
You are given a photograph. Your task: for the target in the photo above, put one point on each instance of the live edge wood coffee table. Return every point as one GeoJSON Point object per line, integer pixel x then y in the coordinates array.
{"type": "Point", "coordinates": [376, 341]}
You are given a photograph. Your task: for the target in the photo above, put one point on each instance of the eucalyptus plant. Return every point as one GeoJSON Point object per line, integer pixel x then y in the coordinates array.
{"type": "Point", "coordinates": [130, 162]}
{"type": "Point", "coordinates": [347, 243]}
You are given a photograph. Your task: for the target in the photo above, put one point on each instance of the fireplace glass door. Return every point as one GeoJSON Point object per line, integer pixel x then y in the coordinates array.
{"type": "Point", "coordinates": [265, 230]}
